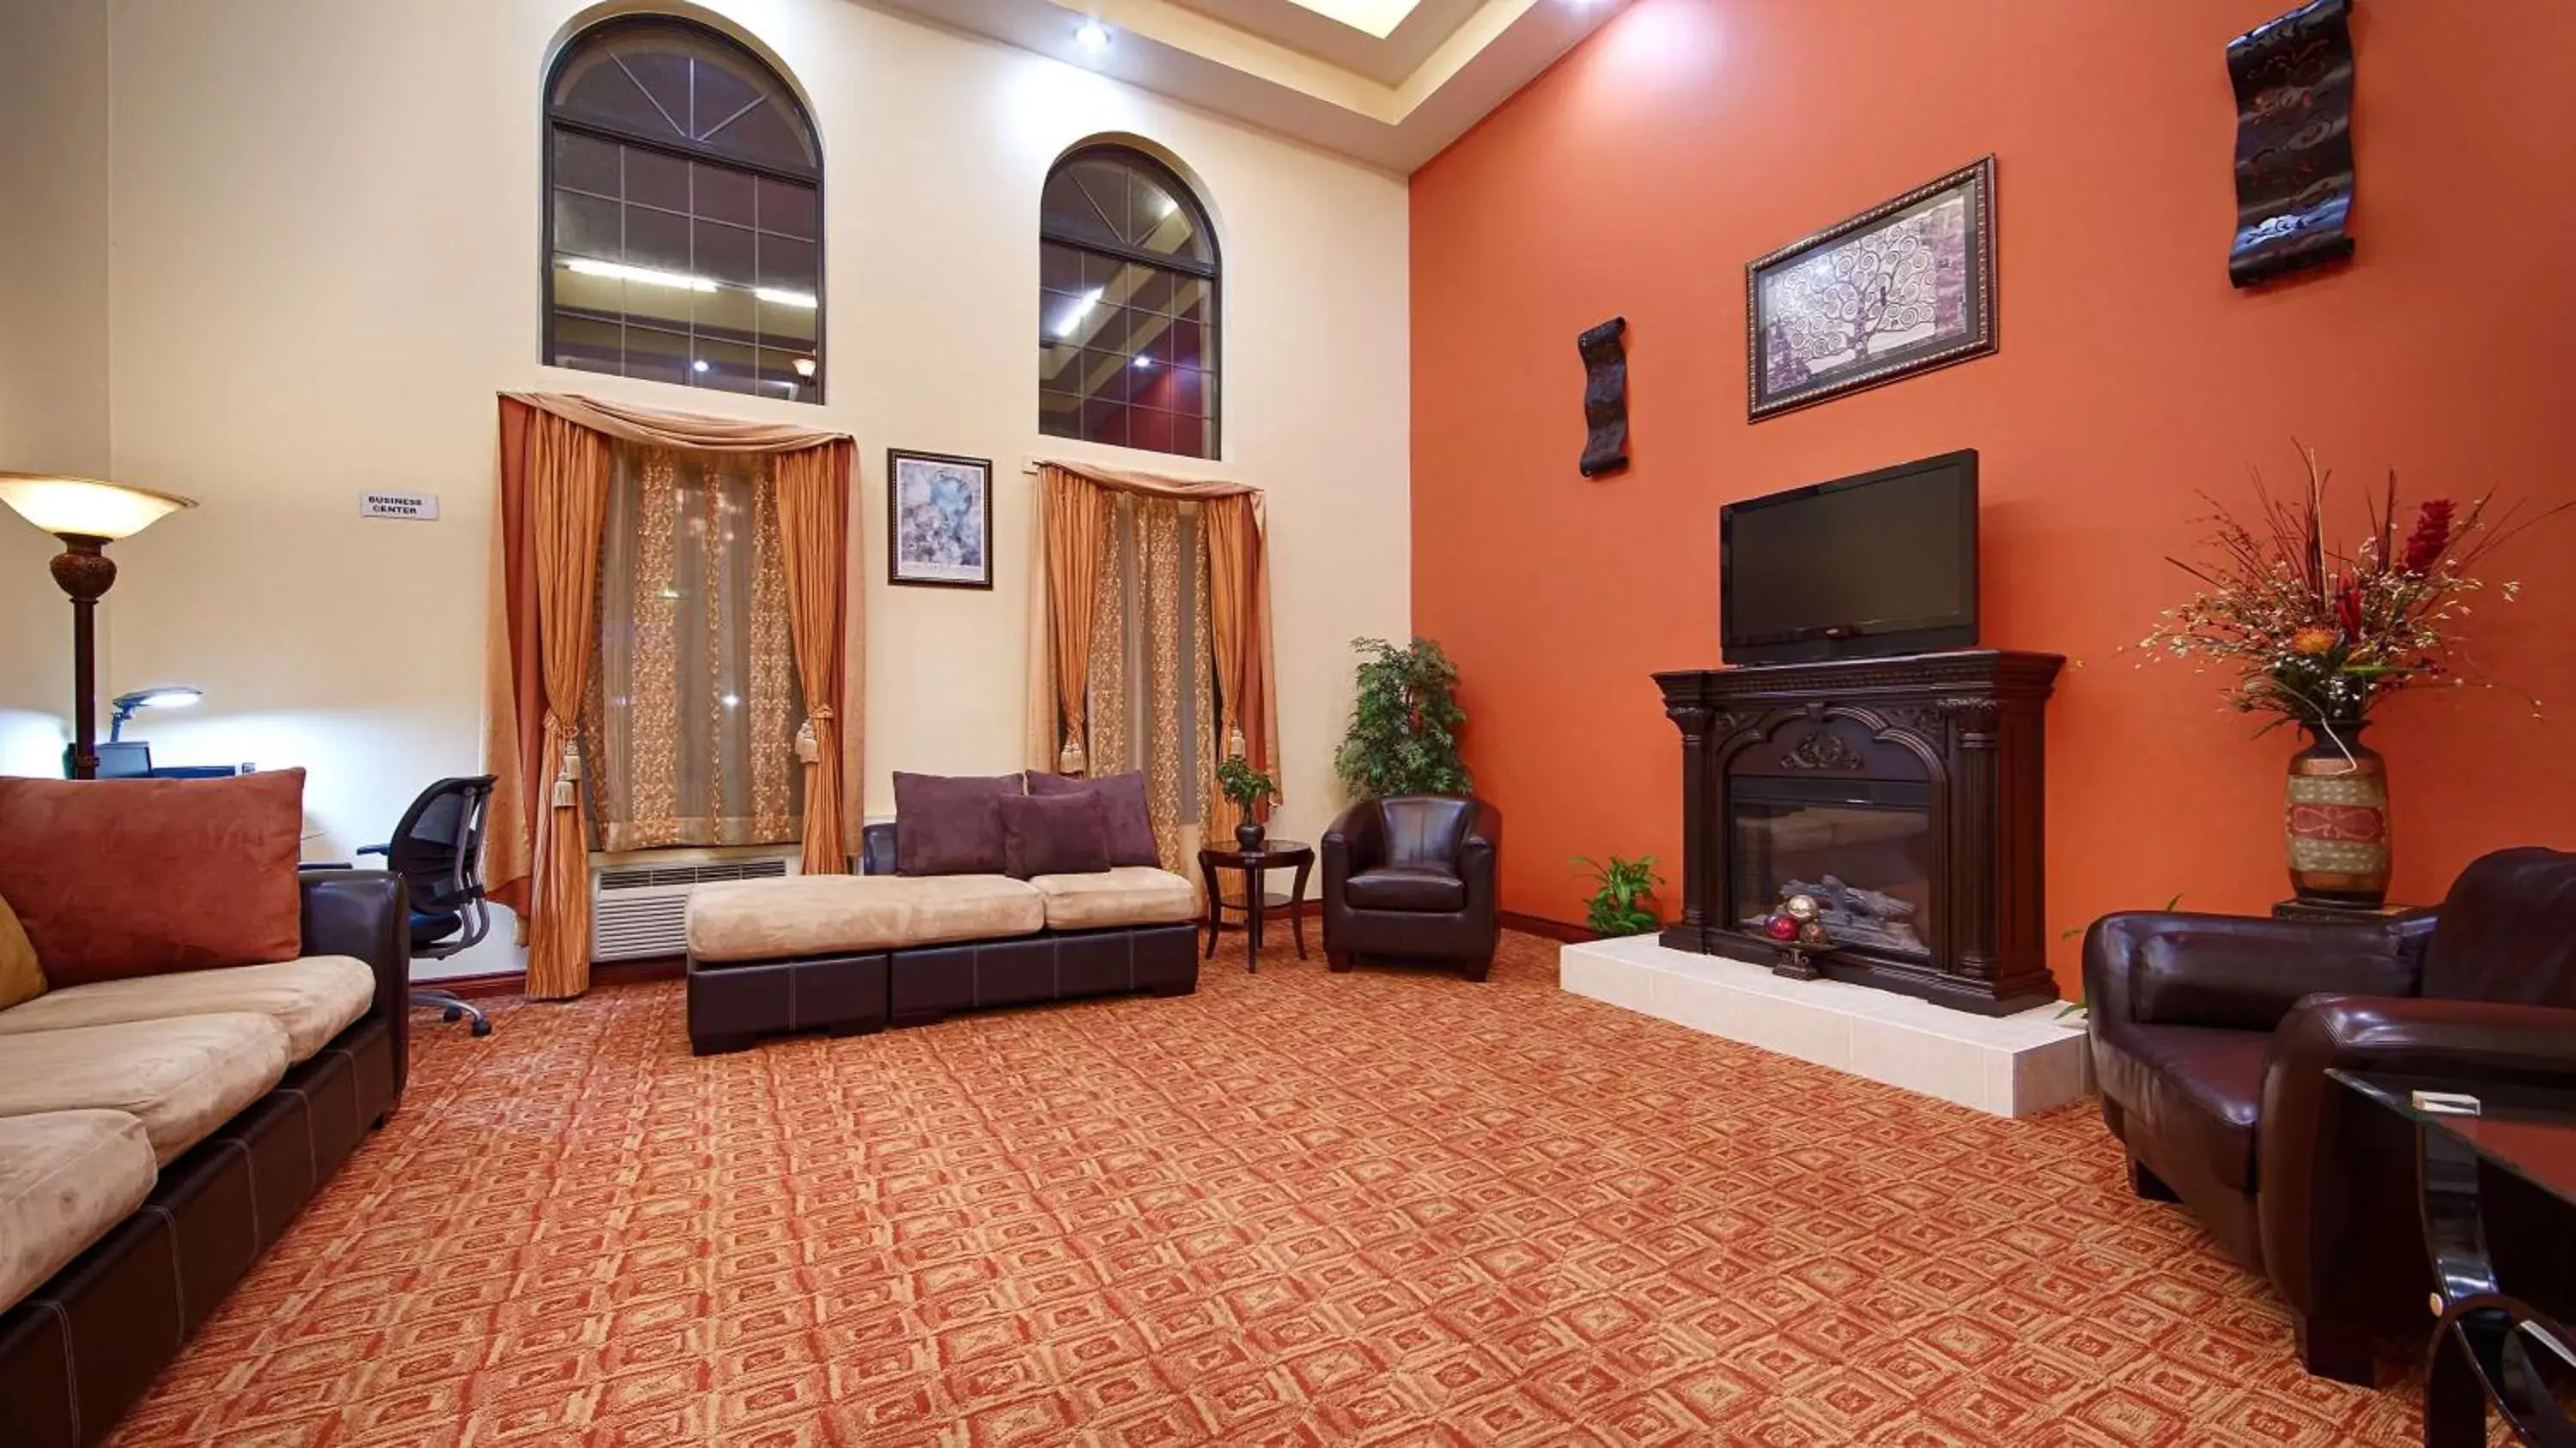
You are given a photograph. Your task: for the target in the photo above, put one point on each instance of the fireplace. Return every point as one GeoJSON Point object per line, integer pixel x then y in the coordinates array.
{"type": "Point", "coordinates": [1903, 794]}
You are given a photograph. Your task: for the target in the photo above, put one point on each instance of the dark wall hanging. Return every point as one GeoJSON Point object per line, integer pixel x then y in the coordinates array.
{"type": "Point", "coordinates": [2293, 81]}
{"type": "Point", "coordinates": [1605, 397]}
{"type": "Point", "coordinates": [1904, 287]}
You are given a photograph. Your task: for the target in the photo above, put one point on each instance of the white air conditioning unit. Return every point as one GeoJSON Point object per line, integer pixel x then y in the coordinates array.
{"type": "Point", "coordinates": [639, 903]}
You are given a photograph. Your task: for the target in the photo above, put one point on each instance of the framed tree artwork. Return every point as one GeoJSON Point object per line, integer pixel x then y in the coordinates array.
{"type": "Point", "coordinates": [1904, 287]}
{"type": "Point", "coordinates": [939, 520]}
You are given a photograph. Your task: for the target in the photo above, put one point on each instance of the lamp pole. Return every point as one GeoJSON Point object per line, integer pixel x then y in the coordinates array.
{"type": "Point", "coordinates": [85, 572]}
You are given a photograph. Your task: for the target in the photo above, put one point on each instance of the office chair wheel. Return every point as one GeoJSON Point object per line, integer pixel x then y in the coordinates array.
{"type": "Point", "coordinates": [482, 1027]}
{"type": "Point", "coordinates": [455, 1013]}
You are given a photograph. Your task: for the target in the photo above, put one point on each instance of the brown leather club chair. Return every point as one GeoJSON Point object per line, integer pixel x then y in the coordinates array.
{"type": "Point", "coordinates": [2212, 1036]}
{"type": "Point", "coordinates": [1411, 877]}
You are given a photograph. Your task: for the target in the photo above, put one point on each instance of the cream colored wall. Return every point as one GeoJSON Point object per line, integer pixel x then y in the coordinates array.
{"type": "Point", "coordinates": [325, 263]}
{"type": "Point", "coordinates": [53, 338]}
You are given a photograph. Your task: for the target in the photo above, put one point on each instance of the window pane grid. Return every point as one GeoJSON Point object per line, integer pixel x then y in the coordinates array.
{"type": "Point", "coordinates": [1126, 348]}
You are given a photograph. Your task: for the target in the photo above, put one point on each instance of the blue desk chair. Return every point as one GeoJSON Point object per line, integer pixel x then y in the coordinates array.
{"type": "Point", "coordinates": [438, 850]}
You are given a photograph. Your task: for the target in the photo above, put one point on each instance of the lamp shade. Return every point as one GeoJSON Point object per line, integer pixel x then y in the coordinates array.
{"type": "Point", "coordinates": [84, 507]}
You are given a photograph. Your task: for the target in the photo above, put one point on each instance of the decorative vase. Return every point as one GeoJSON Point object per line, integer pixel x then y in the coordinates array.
{"type": "Point", "coordinates": [2337, 818]}
{"type": "Point", "coordinates": [1247, 836]}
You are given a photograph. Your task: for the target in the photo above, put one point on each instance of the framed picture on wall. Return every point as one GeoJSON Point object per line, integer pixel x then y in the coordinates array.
{"type": "Point", "coordinates": [1904, 287]}
{"type": "Point", "coordinates": [939, 520]}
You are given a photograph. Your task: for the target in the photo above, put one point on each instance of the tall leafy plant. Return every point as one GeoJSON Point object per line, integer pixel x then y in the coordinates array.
{"type": "Point", "coordinates": [1405, 717]}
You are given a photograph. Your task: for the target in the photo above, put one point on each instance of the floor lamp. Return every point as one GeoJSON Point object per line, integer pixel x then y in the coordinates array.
{"type": "Point", "coordinates": [87, 516]}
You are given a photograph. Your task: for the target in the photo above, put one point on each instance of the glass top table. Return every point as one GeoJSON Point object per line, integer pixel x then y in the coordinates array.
{"type": "Point", "coordinates": [2488, 1346]}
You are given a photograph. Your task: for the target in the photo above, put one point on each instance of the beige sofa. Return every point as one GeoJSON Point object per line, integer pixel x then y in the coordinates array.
{"type": "Point", "coordinates": [158, 1133]}
{"type": "Point", "coordinates": [851, 953]}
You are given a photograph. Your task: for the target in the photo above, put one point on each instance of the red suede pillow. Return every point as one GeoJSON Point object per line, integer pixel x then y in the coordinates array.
{"type": "Point", "coordinates": [126, 877]}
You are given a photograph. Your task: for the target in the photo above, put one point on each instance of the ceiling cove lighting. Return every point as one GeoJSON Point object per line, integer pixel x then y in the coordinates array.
{"type": "Point", "coordinates": [649, 277]}
{"type": "Point", "coordinates": [785, 298]}
{"type": "Point", "coordinates": [1072, 320]}
{"type": "Point", "coordinates": [1092, 36]}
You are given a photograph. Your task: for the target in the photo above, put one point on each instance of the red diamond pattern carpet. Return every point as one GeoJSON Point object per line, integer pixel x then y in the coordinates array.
{"type": "Point", "coordinates": [1297, 1208]}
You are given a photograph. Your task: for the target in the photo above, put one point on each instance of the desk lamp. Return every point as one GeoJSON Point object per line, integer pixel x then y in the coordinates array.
{"type": "Point", "coordinates": [159, 696]}
{"type": "Point", "coordinates": [87, 515]}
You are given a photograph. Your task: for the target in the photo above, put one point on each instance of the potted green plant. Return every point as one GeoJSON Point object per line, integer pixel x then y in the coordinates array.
{"type": "Point", "coordinates": [1249, 788]}
{"type": "Point", "coordinates": [1619, 906]}
{"type": "Point", "coordinates": [1403, 737]}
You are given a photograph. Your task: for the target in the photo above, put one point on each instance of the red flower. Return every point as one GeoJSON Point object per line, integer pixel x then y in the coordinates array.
{"type": "Point", "coordinates": [2432, 534]}
{"type": "Point", "coordinates": [2348, 609]}
{"type": "Point", "coordinates": [1781, 927]}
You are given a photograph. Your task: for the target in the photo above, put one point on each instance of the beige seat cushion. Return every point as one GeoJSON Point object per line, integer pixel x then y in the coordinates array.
{"type": "Point", "coordinates": [314, 998]}
{"type": "Point", "coordinates": [829, 914]}
{"type": "Point", "coordinates": [65, 1178]}
{"type": "Point", "coordinates": [1128, 895]}
{"type": "Point", "coordinates": [182, 1077]}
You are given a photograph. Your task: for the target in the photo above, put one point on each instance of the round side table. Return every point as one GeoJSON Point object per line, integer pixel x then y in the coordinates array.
{"type": "Point", "coordinates": [1273, 855]}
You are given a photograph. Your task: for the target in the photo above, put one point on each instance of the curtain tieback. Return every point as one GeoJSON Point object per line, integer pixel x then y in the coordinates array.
{"type": "Point", "coordinates": [808, 751]}
{"type": "Point", "coordinates": [568, 771]}
{"type": "Point", "coordinates": [1233, 738]}
{"type": "Point", "coordinates": [1071, 759]}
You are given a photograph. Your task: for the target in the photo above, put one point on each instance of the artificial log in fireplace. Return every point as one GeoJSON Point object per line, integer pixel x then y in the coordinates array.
{"type": "Point", "coordinates": [1903, 793]}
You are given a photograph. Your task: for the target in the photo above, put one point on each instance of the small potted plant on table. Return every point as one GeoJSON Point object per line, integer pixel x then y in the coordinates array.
{"type": "Point", "coordinates": [1249, 788]}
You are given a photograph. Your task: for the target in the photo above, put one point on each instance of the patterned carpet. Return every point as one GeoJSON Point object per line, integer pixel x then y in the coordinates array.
{"type": "Point", "coordinates": [1296, 1208]}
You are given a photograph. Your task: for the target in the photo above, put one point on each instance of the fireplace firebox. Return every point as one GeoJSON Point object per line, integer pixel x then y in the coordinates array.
{"type": "Point", "coordinates": [1904, 794]}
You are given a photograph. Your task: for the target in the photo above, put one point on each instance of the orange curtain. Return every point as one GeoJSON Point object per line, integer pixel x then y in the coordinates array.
{"type": "Point", "coordinates": [567, 487]}
{"type": "Point", "coordinates": [1237, 629]}
{"type": "Point", "coordinates": [1076, 528]}
{"type": "Point", "coordinates": [813, 491]}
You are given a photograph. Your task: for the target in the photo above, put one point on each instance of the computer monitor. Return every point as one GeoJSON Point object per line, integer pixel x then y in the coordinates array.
{"type": "Point", "coordinates": [126, 759]}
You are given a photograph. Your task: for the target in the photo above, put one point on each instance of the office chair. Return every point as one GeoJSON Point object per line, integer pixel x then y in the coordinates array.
{"type": "Point", "coordinates": [438, 850]}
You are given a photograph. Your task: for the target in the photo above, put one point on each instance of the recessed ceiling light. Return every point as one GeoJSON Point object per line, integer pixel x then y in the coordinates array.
{"type": "Point", "coordinates": [700, 364]}
{"type": "Point", "coordinates": [1091, 35]}
{"type": "Point", "coordinates": [804, 366]}
{"type": "Point", "coordinates": [1143, 362]}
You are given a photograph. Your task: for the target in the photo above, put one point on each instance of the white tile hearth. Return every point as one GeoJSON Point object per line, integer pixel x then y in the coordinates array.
{"type": "Point", "coordinates": [2015, 1065]}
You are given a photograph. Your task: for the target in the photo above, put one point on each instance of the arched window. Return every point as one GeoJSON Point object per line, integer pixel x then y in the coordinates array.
{"type": "Point", "coordinates": [684, 225]}
{"type": "Point", "coordinates": [1127, 306]}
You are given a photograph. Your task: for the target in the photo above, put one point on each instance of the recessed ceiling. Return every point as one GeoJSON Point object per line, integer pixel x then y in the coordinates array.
{"type": "Point", "coordinates": [1388, 82]}
{"type": "Point", "coordinates": [1377, 17]}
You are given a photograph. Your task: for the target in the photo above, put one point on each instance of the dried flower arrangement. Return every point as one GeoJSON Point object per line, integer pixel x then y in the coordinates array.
{"type": "Point", "coordinates": [2318, 635]}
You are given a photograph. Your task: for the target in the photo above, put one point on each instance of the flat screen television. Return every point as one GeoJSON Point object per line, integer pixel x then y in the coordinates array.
{"type": "Point", "coordinates": [1861, 567]}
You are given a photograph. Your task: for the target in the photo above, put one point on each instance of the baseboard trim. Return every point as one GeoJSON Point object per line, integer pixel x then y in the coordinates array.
{"type": "Point", "coordinates": [512, 982]}
{"type": "Point", "coordinates": [1543, 927]}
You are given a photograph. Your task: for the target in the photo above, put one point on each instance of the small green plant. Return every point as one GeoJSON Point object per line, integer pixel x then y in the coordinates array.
{"type": "Point", "coordinates": [1243, 784]}
{"type": "Point", "coordinates": [1405, 716]}
{"type": "Point", "coordinates": [1619, 906]}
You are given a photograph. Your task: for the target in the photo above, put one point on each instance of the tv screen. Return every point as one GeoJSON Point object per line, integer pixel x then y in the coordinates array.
{"type": "Point", "coordinates": [1883, 563]}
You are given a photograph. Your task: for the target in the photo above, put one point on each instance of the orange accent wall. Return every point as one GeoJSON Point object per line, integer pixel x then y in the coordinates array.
{"type": "Point", "coordinates": [1689, 136]}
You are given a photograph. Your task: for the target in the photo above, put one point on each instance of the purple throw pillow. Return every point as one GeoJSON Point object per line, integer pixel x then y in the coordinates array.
{"type": "Point", "coordinates": [1122, 811]}
{"type": "Point", "coordinates": [1053, 835]}
{"type": "Point", "coordinates": [948, 825]}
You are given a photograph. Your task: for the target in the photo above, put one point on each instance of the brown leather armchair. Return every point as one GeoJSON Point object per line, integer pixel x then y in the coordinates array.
{"type": "Point", "coordinates": [2212, 1036]}
{"type": "Point", "coordinates": [1412, 877]}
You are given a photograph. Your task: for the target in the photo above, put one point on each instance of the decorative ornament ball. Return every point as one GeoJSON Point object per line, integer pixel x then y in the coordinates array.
{"type": "Point", "coordinates": [1780, 927]}
{"type": "Point", "coordinates": [1799, 907]}
{"type": "Point", "coordinates": [1812, 933]}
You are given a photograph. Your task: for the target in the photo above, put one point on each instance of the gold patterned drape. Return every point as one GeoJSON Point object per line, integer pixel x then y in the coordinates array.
{"type": "Point", "coordinates": [692, 716]}
{"type": "Point", "coordinates": [1107, 706]}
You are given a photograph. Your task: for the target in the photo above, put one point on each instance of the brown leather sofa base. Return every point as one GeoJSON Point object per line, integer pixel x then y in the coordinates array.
{"type": "Point", "coordinates": [931, 982]}
{"type": "Point", "coordinates": [85, 1346]}
{"type": "Point", "coordinates": [731, 1006]}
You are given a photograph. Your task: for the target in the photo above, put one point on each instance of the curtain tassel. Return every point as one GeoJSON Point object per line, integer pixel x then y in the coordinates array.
{"type": "Point", "coordinates": [807, 751]}
{"type": "Point", "coordinates": [568, 779]}
{"type": "Point", "coordinates": [1071, 759]}
{"type": "Point", "coordinates": [1234, 739]}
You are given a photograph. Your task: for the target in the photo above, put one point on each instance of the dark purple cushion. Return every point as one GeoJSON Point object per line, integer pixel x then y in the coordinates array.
{"type": "Point", "coordinates": [1053, 835]}
{"type": "Point", "coordinates": [1122, 811]}
{"type": "Point", "coordinates": [950, 825]}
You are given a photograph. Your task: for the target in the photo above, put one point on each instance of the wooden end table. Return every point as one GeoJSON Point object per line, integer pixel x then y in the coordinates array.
{"type": "Point", "coordinates": [1273, 855]}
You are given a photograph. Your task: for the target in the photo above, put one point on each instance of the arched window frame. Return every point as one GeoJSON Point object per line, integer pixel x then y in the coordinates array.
{"type": "Point", "coordinates": [560, 118]}
{"type": "Point", "coordinates": [1211, 271]}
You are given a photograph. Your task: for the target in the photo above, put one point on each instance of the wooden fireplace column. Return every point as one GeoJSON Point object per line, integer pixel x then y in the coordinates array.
{"type": "Point", "coordinates": [1969, 725]}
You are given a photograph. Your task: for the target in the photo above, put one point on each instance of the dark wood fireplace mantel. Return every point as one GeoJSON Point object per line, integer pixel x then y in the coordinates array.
{"type": "Point", "coordinates": [1948, 748]}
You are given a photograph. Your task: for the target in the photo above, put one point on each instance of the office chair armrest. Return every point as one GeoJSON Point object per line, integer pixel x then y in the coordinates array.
{"type": "Point", "coordinates": [385, 850]}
